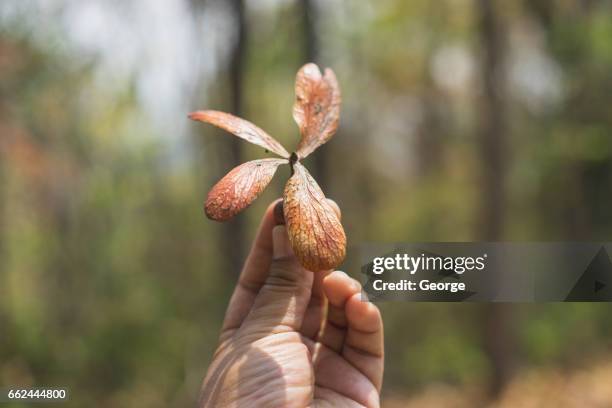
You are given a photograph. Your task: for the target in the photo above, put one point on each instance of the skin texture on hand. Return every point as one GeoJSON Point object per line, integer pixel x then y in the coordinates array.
{"type": "Point", "coordinates": [293, 338]}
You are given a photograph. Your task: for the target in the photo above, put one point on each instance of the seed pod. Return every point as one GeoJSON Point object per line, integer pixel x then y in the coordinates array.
{"type": "Point", "coordinates": [313, 223]}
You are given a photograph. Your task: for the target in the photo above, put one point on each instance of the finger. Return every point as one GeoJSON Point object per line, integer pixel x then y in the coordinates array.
{"type": "Point", "coordinates": [335, 373]}
{"type": "Point", "coordinates": [316, 310]}
{"type": "Point", "coordinates": [363, 344]}
{"type": "Point", "coordinates": [253, 273]}
{"type": "Point", "coordinates": [338, 288]}
{"type": "Point", "coordinates": [282, 300]}
{"type": "Point", "coordinates": [255, 270]}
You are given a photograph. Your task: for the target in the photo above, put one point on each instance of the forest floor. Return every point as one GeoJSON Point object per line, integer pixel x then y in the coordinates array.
{"type": "Point", "coordinates": [589, 386]}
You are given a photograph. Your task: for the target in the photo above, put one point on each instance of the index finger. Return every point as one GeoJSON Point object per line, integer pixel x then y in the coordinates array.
{"type": "Point", "coordinates": [253, 273]}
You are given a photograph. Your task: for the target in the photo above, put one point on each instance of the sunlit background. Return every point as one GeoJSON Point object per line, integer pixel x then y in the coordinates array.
{"type": "Point", "coordinates": [462, 120]}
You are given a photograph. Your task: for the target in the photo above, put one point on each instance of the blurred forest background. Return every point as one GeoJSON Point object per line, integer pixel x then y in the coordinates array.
{"type": "Point", "coordinates": [462, 120]}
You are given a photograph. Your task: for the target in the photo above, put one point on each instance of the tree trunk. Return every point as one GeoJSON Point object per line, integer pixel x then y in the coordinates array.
{"type": "Point", "coordinates": [4, 291]}
{"type": "Point", "coordinates": [233, 244]}
{"type": "Point", "coordinates": [310, 37]}
{"type": "Point", "coordinates": [492, 129]}
{"type": "Point", "coordinates": [497, 320]}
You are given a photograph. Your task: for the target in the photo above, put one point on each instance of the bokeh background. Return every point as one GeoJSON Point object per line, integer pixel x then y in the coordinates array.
{"type": "Point", "coordinates": [462, 120]}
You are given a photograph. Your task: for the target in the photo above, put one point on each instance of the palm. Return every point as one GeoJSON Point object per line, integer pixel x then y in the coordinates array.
{"type": "Point", "coordinates": [290, 369]}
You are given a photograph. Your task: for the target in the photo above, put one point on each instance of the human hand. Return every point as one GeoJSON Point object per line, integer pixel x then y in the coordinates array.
{"type": "Point", "coordinates": [294, 338]}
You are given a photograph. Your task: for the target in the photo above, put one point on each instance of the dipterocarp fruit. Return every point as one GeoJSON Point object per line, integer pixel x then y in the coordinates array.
{"type": "Point", "coordinates": [315, 232]}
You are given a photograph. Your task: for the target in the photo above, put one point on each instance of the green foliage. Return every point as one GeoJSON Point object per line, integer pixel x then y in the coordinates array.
{"type": "Point", "coordinates": [111, 280]}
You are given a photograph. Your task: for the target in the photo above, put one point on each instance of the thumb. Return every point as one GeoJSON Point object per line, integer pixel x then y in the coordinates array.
{"type": "Point", "coordinates": [281, 303]}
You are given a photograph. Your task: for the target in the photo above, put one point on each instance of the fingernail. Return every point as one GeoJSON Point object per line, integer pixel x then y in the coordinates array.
{"type": "Point", "coordinates": [280, 240]}
{"type": "Point", "coordinates": [279, 216]}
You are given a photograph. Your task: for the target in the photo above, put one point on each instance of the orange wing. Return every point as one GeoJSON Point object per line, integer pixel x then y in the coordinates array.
{"type": "Point", "coordinates": [241, 128]}
{"type": "Point", "coordinates": [314, 228]}
{"type": "Point", "coordinates": [239, 188]}
{"type": "Point", "coordinates": [317, 107]}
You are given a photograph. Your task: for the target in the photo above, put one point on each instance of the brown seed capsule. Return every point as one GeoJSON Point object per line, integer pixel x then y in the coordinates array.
{"type": "Point", "coordinates": [313, 222]}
